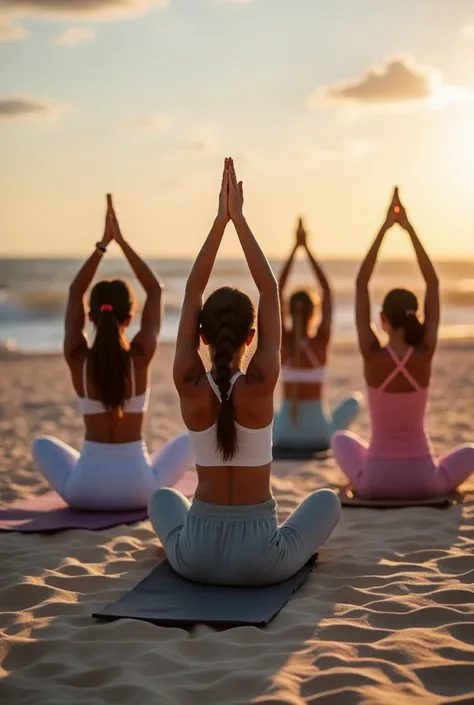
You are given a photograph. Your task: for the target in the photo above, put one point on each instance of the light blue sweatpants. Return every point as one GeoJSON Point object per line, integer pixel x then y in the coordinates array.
{"type": "Point", "coordinates": [313, 426]}
{"type": "Point", "coordinates": [240, 545]}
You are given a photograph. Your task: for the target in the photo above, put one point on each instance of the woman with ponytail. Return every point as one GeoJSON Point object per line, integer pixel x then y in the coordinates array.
{"type": "Point", "coordinates": [303, 424]}
{"type": "Point", "coordinates": [113, 471]}
{"type": "Point", "coordinates": [229, 534]}
{"type": "Point", "coordinates": [398, 463]}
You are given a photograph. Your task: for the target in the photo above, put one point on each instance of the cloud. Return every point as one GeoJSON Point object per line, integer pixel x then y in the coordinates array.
{"type": "Point", "coordinates": [14, 109]}
{"type": "Point", "coordinates": [195, 145]}
{"type": "Point", "coordinates": [395, 85]}
{"type": "Point", "coordinates": [198, 140]}
{"type": "Point", "coordinates": [81, 9]}
{"type": "Point", "coordinates": [359, 148]}
{"type": "Point", "coordinates": [150, 121]}
{"type": "Point", "coordinates": [10, 31]}
{"type": "Point", "coordinates": [72, 36]}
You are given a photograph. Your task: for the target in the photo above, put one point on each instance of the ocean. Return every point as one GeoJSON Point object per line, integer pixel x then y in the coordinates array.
{"type": "Point", "coordinates": [33, 293]}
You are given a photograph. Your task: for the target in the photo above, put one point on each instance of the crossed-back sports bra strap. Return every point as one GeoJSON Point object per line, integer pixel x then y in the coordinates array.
{"type": "Point", "coordinates": [215, 388]}
{"type": "Point", "coordinates": [311, 355]}
{"type": "Point", "coordinates": [314, 374]}
{"type": "Point", "coordinates": [136, 404]}
{"type": "Point", "coordinates": [400, 368]}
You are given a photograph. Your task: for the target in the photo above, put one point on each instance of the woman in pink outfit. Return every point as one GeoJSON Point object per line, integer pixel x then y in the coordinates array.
{"type": "Point", "coordinates": [398, 462]}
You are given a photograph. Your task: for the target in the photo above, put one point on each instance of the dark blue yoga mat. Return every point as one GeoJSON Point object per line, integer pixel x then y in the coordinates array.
{"type": "Point", "coordinates": [167, 599]}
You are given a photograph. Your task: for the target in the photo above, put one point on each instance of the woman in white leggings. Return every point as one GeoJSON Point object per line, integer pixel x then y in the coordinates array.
{"type": "Point", "coordinates": [113, 471]}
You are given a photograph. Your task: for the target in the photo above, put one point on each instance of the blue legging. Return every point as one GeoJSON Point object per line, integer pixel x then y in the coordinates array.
{"type": "Point", "coordinates": [313, 426]}
{"type": "Point", "coordinates": [240, 545]}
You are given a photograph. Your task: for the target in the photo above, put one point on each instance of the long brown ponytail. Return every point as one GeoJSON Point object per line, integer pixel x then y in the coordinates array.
{"type": "Point", "coordinates": [226, 320]}
{"type": "Point", "coordinates": [301, 310]}
{"type": "Point", "coordinates": [111, 304]}
{"type": "Point", "coordinates": [400, 307]}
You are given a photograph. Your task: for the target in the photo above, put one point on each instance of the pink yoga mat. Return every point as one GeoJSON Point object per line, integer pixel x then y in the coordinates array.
{"type": "Point", "coordinates": [48, 512]}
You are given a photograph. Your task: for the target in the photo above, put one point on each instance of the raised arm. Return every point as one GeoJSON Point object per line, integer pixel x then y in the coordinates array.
{"type": "Point", "coordinates": [324, 330]}
{"type": "Point", "coordinates": [428, 272]}
{"type": "Point", "coordinates": [146, 338]}
{"type": "Point", "coordinates": [365, 332]}
{"type": "Point", "coordinates": [188, 366]}
{"type": "Point", "coordinates": [264, 367]}
{"type": "Point", "coordinates": [74, 325]}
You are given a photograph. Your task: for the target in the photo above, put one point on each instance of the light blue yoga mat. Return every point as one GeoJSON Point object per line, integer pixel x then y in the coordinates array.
{"type": "Point", "coordinates": [167, 599]}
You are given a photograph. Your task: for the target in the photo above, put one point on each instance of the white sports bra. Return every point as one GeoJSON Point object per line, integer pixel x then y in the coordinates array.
{"type": "Point", "coordinates": [305, 375]}
{"type": "Point", "coordinates": [137, 404]}
{"type": "Point", "coordinates": [254, 445]}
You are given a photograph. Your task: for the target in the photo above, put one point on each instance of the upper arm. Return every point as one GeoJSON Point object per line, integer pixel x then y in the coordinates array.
{"type": "Point", "coordinates": [74, 335]}
{"type": "Point", "coordinates": [264, 366]}
{"type": "Point", "coordinates": [146, 338]}
{"type": "Point", "coordinates": [365, 333]}
{"type": "Point", "coordinates": [188, 366]}
{"type": "Point", "coordinates": [432, 315]}
{"type": "Point", "coordinates": [324, 330]}
{"type": "Point", "coordinates": [282, 309]}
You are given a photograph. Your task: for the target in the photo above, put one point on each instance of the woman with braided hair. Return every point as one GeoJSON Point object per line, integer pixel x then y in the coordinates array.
{"type": "Point", "coordinates": [113, 472]}
{"type": "Point", "coordinates": [303, 424]}
{"type": "Point", "coordinates": [229, 535]}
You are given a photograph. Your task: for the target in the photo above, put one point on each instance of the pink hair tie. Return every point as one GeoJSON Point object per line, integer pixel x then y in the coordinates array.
{"type": "Point", "coordinates": [410, 312]}
{"type": "Point", "coordinates": [106, 307]}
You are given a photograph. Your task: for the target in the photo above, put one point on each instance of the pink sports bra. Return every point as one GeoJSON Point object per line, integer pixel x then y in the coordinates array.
{"type": "Point", "coordinates": [398, 419]}
{"type": "Point", "coordinates": [136, 404]}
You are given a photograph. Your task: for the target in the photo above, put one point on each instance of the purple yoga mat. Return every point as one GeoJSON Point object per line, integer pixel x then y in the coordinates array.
{"type": "Point", "coordinates": [48, 512]}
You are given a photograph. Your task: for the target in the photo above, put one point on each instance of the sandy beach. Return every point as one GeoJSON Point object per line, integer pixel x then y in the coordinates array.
{"type": "Point", "coordinates": [387, 616]}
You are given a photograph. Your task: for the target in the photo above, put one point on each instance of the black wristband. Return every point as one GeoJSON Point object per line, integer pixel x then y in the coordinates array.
{"type": "Point", "coordinates": [102, 248]}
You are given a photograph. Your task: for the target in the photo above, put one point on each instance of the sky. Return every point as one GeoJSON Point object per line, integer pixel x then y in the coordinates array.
{"type": "Point", "coordinates": [325, 106]}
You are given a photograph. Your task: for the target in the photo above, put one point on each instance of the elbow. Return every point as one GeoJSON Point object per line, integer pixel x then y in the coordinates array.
{"type": "Point", "coordinates": [271, 287]}
{"type": "Point", "coordinates": [75, 290]}
{"type": "Point", "coordinates": [361, 282]}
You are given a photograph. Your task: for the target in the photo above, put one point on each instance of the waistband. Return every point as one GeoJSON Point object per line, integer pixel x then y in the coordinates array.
{"type": "Point", "coordinates": [239, 512]}
{"type": "Point", "coordinates": [113, 448]}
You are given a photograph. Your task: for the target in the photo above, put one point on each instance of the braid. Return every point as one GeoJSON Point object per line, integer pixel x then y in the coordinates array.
{"type": "Point", "coordinates": [224, 350]}
{"type": "Point", "coordinates": [226, 321]}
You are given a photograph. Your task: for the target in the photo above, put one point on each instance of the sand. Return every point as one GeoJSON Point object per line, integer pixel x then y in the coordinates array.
{"type": "Point", "coordinates": [386, 617]}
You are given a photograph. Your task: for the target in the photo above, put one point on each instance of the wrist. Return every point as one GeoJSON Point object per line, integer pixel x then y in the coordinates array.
{"type": "Point", "coordinates": [221, 220]}
{"type": "Point", "coordinates": [239, 218]}
{"type": "Point", "coordinates": [101, 247]}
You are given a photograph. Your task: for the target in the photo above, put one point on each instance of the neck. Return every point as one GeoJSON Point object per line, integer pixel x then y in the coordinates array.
{"type": "Point", "coordinates": [397, 342]}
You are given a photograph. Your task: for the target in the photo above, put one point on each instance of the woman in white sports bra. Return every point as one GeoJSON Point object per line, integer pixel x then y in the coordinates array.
{"type": "Point", "coordinates": [113, 471]}
{"type": "Point", "coordinates": [303, 424]}
{"type": "Point", "coordinates": [229, 534]}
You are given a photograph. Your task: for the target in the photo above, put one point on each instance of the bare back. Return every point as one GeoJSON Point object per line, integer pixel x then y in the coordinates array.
{"type": "Point", "coordinates": [318, 346]}
{"type": "Point", "coordinates": [379, 364]}
{"type": "Point", "coordinates": [108, 427]}
{"type": "Point", "coordinates": [223, 484]}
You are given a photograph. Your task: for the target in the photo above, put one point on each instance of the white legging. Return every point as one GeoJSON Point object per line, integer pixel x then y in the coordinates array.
{"type": "Point", "coordinates": [111, 476]}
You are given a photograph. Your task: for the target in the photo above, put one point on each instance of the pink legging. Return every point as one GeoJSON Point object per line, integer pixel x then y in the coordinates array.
{"type": "Point", "coordinates": [401, 478]}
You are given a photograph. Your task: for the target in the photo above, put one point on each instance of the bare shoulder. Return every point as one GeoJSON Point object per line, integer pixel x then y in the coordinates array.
{"type": "Point", "coordinates": [252, 407]}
